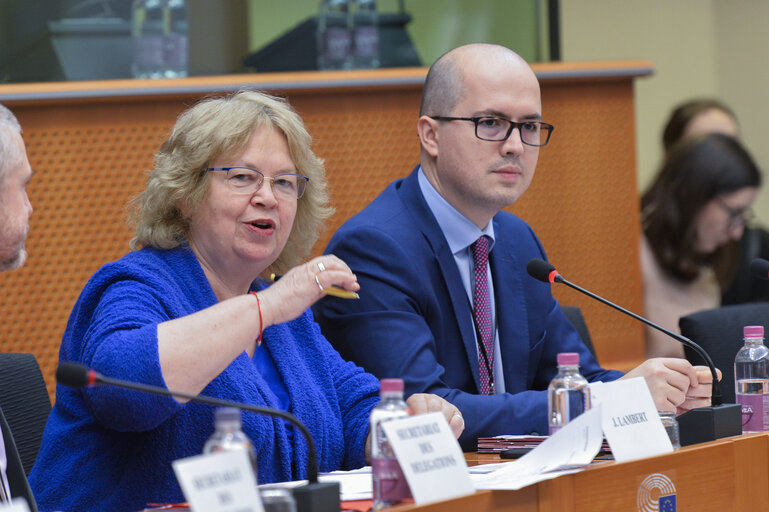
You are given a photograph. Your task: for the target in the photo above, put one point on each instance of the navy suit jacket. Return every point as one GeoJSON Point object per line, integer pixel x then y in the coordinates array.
{"type": "Point", "coordinates": [414, 319]}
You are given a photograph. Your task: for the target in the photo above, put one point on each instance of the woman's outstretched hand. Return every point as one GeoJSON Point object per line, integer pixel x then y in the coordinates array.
{"type": "Point", "coordinates": [302, 286]}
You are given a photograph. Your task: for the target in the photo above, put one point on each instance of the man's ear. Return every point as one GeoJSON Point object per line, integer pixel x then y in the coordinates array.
{"type": "Point", "coordinates": [427, 128]}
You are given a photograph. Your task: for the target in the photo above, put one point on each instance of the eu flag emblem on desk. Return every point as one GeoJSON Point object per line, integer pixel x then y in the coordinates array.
{"type": "Point", "coordinates": [667, 503]}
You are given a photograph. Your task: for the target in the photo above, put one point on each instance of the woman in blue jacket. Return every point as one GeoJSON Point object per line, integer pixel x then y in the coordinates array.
{"type": "Point", "coordinates": [236, 195]}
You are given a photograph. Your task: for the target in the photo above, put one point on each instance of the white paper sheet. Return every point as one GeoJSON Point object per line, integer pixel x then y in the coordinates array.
{"type": "Point", "coordinates": [353, 485]}
{"type": "Point", "coordinates": [567, 451]}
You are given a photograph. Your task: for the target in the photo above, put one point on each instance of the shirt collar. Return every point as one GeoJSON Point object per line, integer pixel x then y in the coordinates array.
{"type": "Point", "coordinates": [459, 231]}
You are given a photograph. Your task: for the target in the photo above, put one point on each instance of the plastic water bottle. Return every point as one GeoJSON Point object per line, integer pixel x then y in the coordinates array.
{"type": "Point", "coordinates": [751, 380]}
{"type": "Point", "coordinates": [568, 394]}
{"type": "Point", "coordinates": [389, 484]}
{"type": "Point", "coordinates": [334, 35]}
{"type": "Point", "coordinates": [175, 39]}
{"type": "Point", "coordinates": [147, 38]}
{"type": "Point", "coordinates": [228, 435]}
{"type": "Point", "coordinates": [365, 35]}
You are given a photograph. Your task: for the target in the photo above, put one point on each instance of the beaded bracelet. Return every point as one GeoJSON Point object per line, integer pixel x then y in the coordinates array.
{"type": "Point", "coordinates": [259, 307]}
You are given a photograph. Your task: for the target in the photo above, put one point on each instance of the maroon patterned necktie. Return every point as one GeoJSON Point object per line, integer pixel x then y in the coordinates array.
{"type": "Point", "coordinates": [482, 313]}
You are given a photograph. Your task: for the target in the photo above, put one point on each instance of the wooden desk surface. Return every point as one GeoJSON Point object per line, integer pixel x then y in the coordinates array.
{"type": "Point", "coordinates": [476, 459]}
{"type": "Point", "coordinates": [729, 474]}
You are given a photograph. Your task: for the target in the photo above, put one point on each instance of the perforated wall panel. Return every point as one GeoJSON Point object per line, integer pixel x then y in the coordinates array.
{"type": "Point", "coordinates": [91, 157]}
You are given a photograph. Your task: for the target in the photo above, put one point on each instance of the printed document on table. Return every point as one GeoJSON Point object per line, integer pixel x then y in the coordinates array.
{"type": "Point", "coordinates": [354, 485]}
{"type": "Point", "coordinates": [567, 451]}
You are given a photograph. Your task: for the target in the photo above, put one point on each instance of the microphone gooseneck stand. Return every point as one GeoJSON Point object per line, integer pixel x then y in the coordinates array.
{"type": "Point", "coordinates": [313, 497]}
{"type": "Point", "coordinates": [697, 425]}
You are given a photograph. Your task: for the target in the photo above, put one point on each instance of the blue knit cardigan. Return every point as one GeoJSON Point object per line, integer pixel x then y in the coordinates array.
{"type": "Point", "coordinates": [107, 448]}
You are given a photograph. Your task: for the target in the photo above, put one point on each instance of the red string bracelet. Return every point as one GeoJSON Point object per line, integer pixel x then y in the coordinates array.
{"type": "Point", "coordinates": [259, 307]}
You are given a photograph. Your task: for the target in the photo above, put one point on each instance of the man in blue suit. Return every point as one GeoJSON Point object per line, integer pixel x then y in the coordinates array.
{"type": "Point", "coordinates": [414, 251]}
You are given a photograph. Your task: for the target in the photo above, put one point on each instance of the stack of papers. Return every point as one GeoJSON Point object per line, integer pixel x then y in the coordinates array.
{"type": "Point", "coordinates": [497, 444]}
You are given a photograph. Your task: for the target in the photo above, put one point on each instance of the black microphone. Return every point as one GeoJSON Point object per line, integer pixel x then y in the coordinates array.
{"type": "Point", "coordinates": [543, 271]}
{"type": "Point", "coordinates": [759, 267]}
{"type": "Point", "coordinates": [313, 497]}
{"type": "Point", "coordinates": [696, 426]}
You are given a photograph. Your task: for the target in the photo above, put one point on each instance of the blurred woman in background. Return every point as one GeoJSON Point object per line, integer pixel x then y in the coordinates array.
{"type": "Point", "coordinates": [708, 115]}
{"type": "Point", "coordinates": [698, 117]}
{"type": "Point", "coordinates": [698, 203]}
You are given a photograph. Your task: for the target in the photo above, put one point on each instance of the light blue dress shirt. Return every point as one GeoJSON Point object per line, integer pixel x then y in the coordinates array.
{"type": "Point", "coordinates": [460, 234]}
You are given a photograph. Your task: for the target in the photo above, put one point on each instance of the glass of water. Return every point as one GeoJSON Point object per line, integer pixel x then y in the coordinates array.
{"type": "Point", "coordinates": [671, 427]}
{"type": "Point", "coordinates": [277, 499]}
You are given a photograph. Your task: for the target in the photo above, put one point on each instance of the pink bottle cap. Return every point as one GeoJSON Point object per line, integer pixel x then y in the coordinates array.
{"type": "Point", "coordinates": [568, 359]}
{"type": "Point", "coordinates": [391, 385]}
{"type": "Point", "coordinates": [753, 331]}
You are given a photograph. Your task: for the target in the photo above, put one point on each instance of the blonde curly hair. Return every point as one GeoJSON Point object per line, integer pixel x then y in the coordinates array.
{"type": "Point", "coordinates": [222, 126]}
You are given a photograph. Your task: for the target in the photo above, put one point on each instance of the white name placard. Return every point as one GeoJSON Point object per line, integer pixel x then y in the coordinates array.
{"type": "Point", "coordinates": [223, 481]}
{"type": "Point", "coordinates": [630, 420]}
{"type": "Point", "coordinates": [429, 456]}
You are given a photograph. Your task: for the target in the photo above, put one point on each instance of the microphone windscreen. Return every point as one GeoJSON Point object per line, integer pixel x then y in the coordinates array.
{"type": "Point", "coordinates": [73, 375]}
{"type": "Point", "coordinates": [759, 267]}
{"type": "Point", "coordinates": [539, 269]}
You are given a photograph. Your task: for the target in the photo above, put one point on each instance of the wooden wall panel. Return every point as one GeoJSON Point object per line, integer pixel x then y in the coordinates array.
{"type": "Point", "coordinates": [91, 145]}
{"type": "Point", "coordinates": [369, 141]}
{"type": "Point", "coordinates": [88, 163]}
{"type": "Point", "coordinates": [583, 203]}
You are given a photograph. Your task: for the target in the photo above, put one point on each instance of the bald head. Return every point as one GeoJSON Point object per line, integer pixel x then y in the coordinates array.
{"type": "Point", "coordinates": [444, 85]}
{"type": "Point", "coordinates": [478, 176]}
